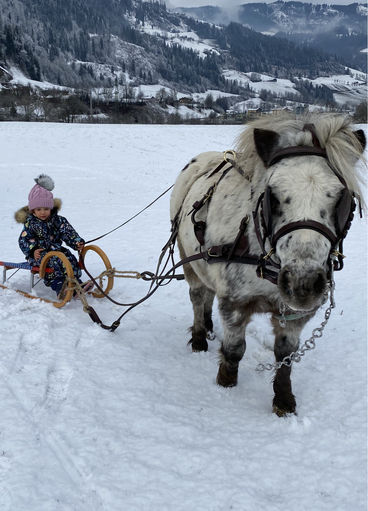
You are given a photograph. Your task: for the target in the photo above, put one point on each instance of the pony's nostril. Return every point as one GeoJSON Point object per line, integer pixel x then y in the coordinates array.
{"type": "Point", "coordinates": [285, 282]}
{"type": "Point", "coordinates": [319, 282]}
{"type": "Point", "coordinates": [288, 290]}
{"type": "Point", "coordinates": [302, 287]}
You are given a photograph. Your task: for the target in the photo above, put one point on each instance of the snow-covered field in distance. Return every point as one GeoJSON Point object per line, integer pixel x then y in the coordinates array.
{"type": "Point", "coordinates": [134, 420]}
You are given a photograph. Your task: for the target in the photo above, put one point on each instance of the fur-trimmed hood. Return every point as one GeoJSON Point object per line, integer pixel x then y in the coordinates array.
{"type": "Point", "coordinates": [22, 213]}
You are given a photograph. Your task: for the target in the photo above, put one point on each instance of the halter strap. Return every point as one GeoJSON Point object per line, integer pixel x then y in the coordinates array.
{"type": "Point", "coordinates": [297, 150]}
{"type": "Point", "coordinates": [305, 224]}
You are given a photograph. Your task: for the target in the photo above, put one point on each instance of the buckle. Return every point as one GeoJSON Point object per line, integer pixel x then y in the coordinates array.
{"type": "Point", "coordinates": [210, 254]}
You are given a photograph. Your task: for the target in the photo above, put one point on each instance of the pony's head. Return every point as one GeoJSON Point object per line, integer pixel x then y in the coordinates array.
{"type": "Point", "coordinates": [309, 185]}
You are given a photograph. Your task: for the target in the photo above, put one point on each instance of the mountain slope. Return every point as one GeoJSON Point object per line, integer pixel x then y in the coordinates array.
{"type": "Point", "coordinates": [337, 29]}
{"type": "Point", "coordinates": [84, 43]}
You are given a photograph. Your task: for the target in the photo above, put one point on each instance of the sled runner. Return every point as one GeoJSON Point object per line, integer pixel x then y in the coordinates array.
{"type": "Point", "coordinates": [106, 278]}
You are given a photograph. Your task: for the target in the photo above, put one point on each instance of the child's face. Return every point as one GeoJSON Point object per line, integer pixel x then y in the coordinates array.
{"type": "Point", "coordinates": [42, 213]}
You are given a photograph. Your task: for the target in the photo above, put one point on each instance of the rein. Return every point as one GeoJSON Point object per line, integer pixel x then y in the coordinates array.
{"type": "Point", "coordinates": [238, 251]}
{"type": "Point", "coordinates": [132, 217]}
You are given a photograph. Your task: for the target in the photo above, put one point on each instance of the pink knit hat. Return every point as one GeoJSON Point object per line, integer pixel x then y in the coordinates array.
{"type": "Point", "coordinates": [40, 196]}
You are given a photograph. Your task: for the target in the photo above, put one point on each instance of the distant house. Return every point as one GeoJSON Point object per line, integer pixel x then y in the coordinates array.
{"type": "Point", "coordinates": [185, 100]}
{"type": "Point", "coordinates": [5, 76]}
{"type": "Point", "coordinates": [254, 113]}
{"type": "Point", "coordinates": [276, 111]}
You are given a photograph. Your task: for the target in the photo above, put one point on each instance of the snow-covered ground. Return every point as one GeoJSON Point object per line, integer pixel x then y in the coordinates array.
{"type": "Point", "coordinates": [180, 36]}
{"type": "Point", "coordinates": [347, 89]}
{"type": "Point", "coordinates": [133, 420]}
{"type": "Point", "coordinates": [20, 79]}
{"type": "Point", "coordinates": [216, 94]}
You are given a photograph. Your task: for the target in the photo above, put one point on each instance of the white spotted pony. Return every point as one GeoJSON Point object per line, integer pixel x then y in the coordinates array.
{"type": "Point", "coordinates": [262, 229]}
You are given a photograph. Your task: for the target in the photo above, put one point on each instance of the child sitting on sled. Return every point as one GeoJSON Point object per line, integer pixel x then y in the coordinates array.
{"type": "Point", "coordinates": [45, 230]}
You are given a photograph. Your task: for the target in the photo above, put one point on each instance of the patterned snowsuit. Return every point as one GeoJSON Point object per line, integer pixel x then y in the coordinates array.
{"type": "Point", "coordinates": [49, 235]}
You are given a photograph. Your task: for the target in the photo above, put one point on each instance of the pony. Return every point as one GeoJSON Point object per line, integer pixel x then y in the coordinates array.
{"type": "Point", "coordinates": [261, 228]}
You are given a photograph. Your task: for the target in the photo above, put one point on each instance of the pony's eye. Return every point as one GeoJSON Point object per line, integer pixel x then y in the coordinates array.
{"type": "Point", "coordinates": [275, 203]}
{"type": "Point", "coordinates": [275, 206]}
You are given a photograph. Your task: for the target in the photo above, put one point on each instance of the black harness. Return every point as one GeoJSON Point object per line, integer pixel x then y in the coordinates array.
{"type": "Point", "coordinates": [239, 250]}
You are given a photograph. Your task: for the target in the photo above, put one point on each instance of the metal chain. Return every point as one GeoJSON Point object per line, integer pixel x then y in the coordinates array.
{"type": "Point", "coordinates": [282, 310]}
{"type": "Point", "coordinates": [309, 344]}
{"type": "Point", "coordinates": [131, 274]}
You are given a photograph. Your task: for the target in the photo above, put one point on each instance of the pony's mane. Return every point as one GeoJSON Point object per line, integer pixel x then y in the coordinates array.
{"type": "Point", "coordinates": [333, 130]}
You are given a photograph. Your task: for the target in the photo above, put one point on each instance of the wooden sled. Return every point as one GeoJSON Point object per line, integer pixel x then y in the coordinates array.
{"type": "Point", "coordinates": [41, 270]}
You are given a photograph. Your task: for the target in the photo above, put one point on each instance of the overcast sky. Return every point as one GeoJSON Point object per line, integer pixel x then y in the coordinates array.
{"type": "Point", "coordinates": [230, 3]}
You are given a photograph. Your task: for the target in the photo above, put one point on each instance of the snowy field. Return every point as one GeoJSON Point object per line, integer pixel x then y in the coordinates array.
{"type": "Point", "coordinates": [134, 421]}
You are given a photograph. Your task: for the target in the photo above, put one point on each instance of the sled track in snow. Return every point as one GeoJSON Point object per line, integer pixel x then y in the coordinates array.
{"type": "Point", "coordinates": [59, 375]}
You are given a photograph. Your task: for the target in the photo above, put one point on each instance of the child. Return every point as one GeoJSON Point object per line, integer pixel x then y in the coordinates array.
{"type": "Point", "coordinates": [44, 230]}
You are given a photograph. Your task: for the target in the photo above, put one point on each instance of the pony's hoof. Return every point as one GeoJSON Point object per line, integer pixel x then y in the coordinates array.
{"type": "Point", "coordinates": [282, 413]}
{"type": "Point", "coordinates": [227, 377]}
{"type": "Point", "coordinates": [282, 408]}
{"type": "Point", "coordinates": [198, 344]}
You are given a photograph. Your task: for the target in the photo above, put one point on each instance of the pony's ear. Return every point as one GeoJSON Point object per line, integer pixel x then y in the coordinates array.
{"type": "Point", "coordinates": [360, 135]}
{"type": "Point", "coordinates": [266, 142]}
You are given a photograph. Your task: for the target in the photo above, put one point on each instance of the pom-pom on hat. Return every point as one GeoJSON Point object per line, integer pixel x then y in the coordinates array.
{"type": "Point", "coordinates": [40, 195]}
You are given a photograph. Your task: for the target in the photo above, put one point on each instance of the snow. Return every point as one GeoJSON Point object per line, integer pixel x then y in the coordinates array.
{"type": "Point", "coordinates": [249, 104]}
{"type": "Point", "coordinates": [150, 91]}
{"type": "Point", "coordinates": [347, 89]}
{"type": "Point", "coordinates": [134, 420]}
{"type": "Point", "coordinates": [231, 74]}
{"type": "Point", "coordinates": [362, 9]}
{"type": "Point", "coordinates": [20, 79]}
{"type": "Point", "coordinates": [191, 41]}
{"type": "Point", "coordinates": [182, 37]}
{"type": "Point", "coordinates": [186, 112]}
{"type": "Point", "coordinates": [216, 94]}
{"type": "Point", "coordinates": [279, 86]}
{"type": "Point", "coordinates": [337, 79]}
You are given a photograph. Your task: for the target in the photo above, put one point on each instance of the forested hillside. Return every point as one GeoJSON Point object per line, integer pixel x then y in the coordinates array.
{"type": "Point", "coordinates": [70, 42]}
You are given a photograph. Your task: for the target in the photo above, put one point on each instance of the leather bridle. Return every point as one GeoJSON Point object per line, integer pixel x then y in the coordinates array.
{"type": "Point", "coordinates": [267, 267]}
{"type": "Point", "coordinates": [344, 211]}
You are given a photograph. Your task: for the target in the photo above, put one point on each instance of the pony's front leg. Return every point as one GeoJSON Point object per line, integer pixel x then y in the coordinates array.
{"type": "Point", "coordinates": [286, 342]}
{"type": "Point", "coordinates": [232, 349]}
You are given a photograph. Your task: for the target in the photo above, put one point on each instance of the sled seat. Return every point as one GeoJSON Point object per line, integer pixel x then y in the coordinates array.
{"type": "Point", "coordinates": [103, 288]}
{"type": "Point", "coordinates": [21, 266]}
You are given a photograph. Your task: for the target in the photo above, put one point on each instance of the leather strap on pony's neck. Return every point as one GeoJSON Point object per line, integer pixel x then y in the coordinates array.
{"type": "Point", "coordinates": [236, 252]}
{"type": "Point", "coordinates": [199, 225]}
